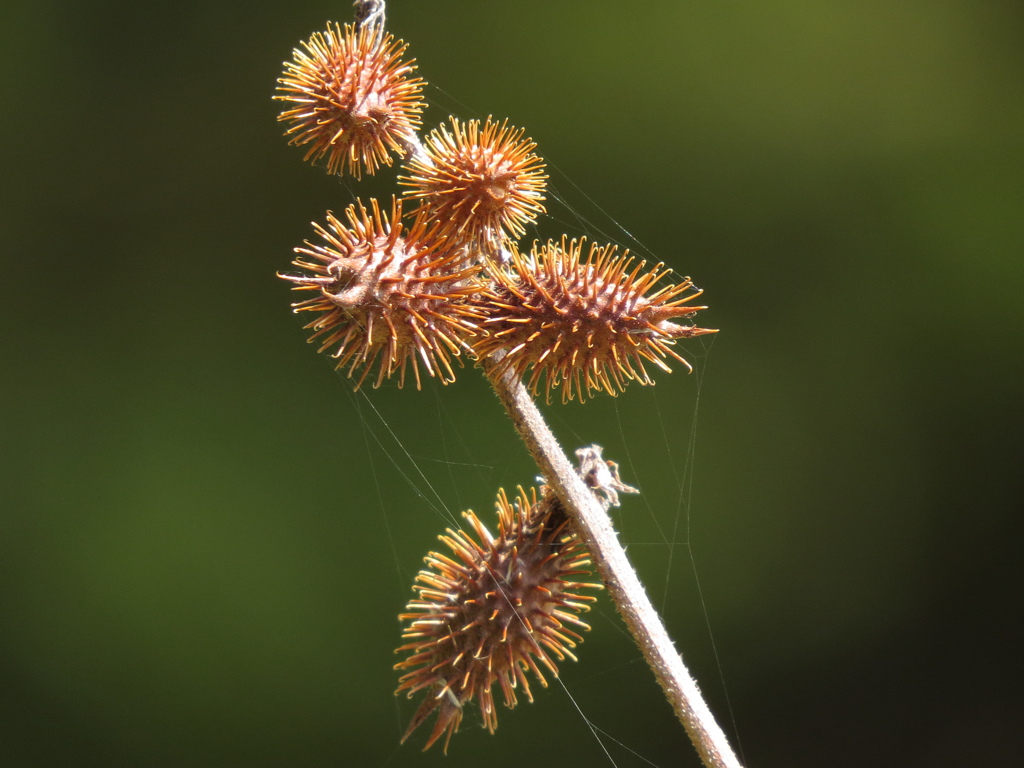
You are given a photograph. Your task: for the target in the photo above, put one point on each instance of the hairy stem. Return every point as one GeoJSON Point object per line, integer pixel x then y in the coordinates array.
{"type": "Point", "coordinates": [594, 526]}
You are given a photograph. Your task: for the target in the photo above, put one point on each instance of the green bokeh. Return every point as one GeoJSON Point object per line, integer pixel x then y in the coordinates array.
{"type": "Point", "coordinates": [205, 537]}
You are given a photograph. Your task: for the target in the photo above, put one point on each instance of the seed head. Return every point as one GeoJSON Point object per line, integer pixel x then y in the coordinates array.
{"type": "Point", "coordinates": [349, 96]}
{"type": "Point", "coordinates": [386, 295]}
{"type": "Point", "coordinates": [485, 182]}
{"type": "Point", "coordinates": [582, 324]}
{"type": "Point", "coordinates": [490, 611]}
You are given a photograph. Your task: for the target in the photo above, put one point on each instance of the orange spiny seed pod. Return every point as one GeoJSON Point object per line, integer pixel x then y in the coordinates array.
{"type": "Point", "coordinates": [386, 297]}
{"type": "Point", "coordinates": [491, 611]}
{"type": "Point", "coordinates": [350, 97]}
{"type": "Point", "coordinates": [485, 182]}
{"type": "Point", "coordinates": [583, 324]}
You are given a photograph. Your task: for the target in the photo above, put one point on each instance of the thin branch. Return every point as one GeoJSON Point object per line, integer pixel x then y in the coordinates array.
{"type": "Point", "coordinates": [594, 527]}
{"type": "Point", "coordinates": [370, 13]}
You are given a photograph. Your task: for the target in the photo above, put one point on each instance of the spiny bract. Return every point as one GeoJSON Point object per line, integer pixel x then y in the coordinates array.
{"type": "Point", "coordinates": [491, 611]}
{"type": "Point", "coordinates": [583, 319]}
{"type": "Point", "coordinates": [387, 295]}
{"type": "Point", "coordinates": [350, 97]}
{"type": "Point", "coordinates": [484, 181]}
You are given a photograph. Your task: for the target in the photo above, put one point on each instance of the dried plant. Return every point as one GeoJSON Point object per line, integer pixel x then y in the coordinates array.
{"type": "Point", "coordinates": [446, 280]}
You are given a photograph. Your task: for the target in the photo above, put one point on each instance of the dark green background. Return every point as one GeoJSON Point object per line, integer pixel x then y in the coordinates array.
{"type": "Point", "coordinates": [201, 560]}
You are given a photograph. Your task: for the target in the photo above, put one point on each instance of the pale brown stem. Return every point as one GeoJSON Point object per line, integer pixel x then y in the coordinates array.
{"type": "Point", "coordinates": [370, 12]}
{"type": "Point", "coordinates": [594, 526]}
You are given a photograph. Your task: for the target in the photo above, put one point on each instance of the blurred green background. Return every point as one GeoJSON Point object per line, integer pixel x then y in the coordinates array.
{"type": "Point", "coordinates": [205, 537]}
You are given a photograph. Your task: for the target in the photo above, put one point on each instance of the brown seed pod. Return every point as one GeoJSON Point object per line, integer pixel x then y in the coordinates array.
{"type": "Point", "coordinates": [349, 96]}
{"type": "Point", "coordinates": [386, 295]}
{"type": "Point", "coordinates": [484, 181]}
{"type": "Point", "coordinates": [490, 611]}
{"type": "Point", "coordinates": [583, 323]}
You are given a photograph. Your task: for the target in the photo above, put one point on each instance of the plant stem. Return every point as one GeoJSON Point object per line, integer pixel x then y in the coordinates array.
{"type": "Point", "coordinates": [594, 527]}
